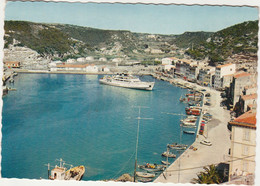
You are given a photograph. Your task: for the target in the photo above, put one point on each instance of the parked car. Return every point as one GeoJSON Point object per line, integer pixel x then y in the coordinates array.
{"type": "Point", "coordinates": [207, 95]}
{"type": "Point", "coordinates": [206, 142]}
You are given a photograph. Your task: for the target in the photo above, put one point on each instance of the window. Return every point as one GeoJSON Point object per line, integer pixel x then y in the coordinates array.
{"type": "Point", "coordinates": [245, 150]}
{"type": "Point", "coordinates": [246, 134]}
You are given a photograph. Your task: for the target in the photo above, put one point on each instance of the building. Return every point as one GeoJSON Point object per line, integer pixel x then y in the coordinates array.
{"type": "Point", "coordinates": [205, 75]}
{"type": "Point", "coordinates": [243, 146]}
{"type": "Point", "coordinates": [223, 70]}
{"type": "Point", "coordinates": [239, 82]}
{"type": "Point", "coordinates": [167, 61]}
{"type": "Point", "coordinates": [76, 67]}
{"type": "Point", "coordinates": [12, 64]}
{"type": "Point", "coordinates": [248, 100]}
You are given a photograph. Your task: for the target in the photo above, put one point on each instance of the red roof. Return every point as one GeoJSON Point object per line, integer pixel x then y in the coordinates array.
{"type": "Point", "coordinates": [241, 74]}
{"type": "Point", "coordinates": [247, 119]}
{"type": "Point", "coordinates": [221, 66]}
{"type": "Point", "coordinates": [250, 96]}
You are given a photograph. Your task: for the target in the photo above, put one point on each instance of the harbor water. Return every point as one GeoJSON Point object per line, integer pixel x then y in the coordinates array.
{"type": "Point", "coordinates": [75, 118]}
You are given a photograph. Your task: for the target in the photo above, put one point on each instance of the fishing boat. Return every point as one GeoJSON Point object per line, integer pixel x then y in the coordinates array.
{"type": "Point", "coordinates": [189, 132]}
{"type": "Point", "coordinates": [176, 145]}
{"type": "Point", "coordinates": [152, 167]}
{"type": "Point", "coordinates": [145, 175]}
{"type": "Point", "coordinates": [61, 173]}
{"type": "Point", "coordinates": [75, 173]}
{"type": "Point", "coordinates": [126, 81]}
{"type": "Point", "coordinates": [168, 154]}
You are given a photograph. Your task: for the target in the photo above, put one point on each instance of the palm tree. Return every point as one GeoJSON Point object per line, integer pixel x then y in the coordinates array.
{"type": "Point", "coordinates": [209, 176]}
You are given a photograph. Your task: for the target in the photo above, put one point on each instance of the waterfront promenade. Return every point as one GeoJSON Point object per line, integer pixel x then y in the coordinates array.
{"type": "Point", "coordinates": [190, 163]}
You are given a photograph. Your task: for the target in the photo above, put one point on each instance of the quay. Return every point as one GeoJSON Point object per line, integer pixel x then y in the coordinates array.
{"type": "Point", "coordinates": [190, 163]}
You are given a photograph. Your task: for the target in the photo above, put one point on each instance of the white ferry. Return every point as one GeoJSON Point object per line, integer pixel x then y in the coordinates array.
{"type": "Point", "coordinates": [126, 81]}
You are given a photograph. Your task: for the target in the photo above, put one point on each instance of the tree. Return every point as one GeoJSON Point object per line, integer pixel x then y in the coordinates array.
{"type": "Point", "coordinates": [209, 176]}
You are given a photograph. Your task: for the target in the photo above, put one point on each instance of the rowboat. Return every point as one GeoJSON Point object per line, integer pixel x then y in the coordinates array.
{"type": "Point", "coordinates": [189, 132]}
{"type": "Point", "coordinates": [145, 175]}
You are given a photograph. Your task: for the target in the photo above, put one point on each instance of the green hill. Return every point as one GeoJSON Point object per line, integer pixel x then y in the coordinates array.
{"type": "Point", "coordinates": [62, 41]}
{"type": "Point", "coordinates": [238, 39]}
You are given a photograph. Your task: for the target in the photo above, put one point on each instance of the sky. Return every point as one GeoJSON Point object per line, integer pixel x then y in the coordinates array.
{"type": "Point", "coordinates": [155, 19]}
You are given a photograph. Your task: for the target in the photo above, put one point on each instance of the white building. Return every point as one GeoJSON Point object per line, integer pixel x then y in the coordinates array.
{"type": "Point", "coordinates": [167, 61]}
{"type": "Point", "coordinates": [81, 60]}
{"type": "Point", "coordinates": [91, 68]}
{"type": "Point", "coordinates": [243, 147]}
{"type": "Point", "coordinates": [223, 70]}
{"type": "Point", "coordinates": [76, 67]}
{"type": "Point", "coordinates": [71, 61]}
{"type": "Point", "coordinates": [89, 58]}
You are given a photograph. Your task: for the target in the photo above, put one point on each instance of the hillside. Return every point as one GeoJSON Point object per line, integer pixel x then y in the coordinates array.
{"type": "Point", "coordinates": [62, 41]}
{"type": "Point", "coordinates": [238, 39]}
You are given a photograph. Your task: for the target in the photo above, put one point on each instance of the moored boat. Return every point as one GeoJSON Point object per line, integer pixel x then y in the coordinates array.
{"type": "Point", "coordinates": [145, 175]}
{"type": "Point", "coordinates": [145, 180]}
{"type": "Point", "coordinates": [168, 154]}
{"type": "Point", "coordinates": [126, 81]}
{"type": "Point", "coordinates": [189, 132]}
{"type": "Point", "coordinates": [61, 173]}
{"type": "Point", "coordinates": [75, 173]}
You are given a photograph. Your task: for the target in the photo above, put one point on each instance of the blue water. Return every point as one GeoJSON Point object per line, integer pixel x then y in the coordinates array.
{"type": "Point", "coordinates": [73, 117]}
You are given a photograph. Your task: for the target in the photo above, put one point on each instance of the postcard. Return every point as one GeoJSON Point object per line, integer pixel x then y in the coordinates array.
{"type": "Point", "coordinates": [102, 92]}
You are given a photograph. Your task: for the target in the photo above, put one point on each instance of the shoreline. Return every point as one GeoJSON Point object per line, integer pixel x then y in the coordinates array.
{"type": "Point", "coordinates": [190, 163]}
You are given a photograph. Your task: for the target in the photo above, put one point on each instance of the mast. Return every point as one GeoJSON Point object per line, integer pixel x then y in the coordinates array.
{"type": "Point", "coordinates": [48, 170]}
{"type": "Point", "coordinates": [137, 137]}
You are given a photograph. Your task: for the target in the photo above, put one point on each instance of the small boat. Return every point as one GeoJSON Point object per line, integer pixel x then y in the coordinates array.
{"type": "Point", "coordinates": [165, 162]}
{"type": "Point", "coordinates": [168, 154]}
{"type": "Point", "coordinates": [75, 173]}
{"type": "Point", "coordinates": [188, 123]}
{"type": "Point", "coordinates": [189, 132]}
{"type": "Point", "coordinates": [177, 147]}
{"type": "Point", "coordinates": [145, 180]}
{"type": "Point", "coordinates": [152, 167]}
{"type": "Point", "coordinates": [145, 175]}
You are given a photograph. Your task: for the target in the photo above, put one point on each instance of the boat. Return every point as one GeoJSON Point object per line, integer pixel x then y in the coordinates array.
{"type": "Point", "coordinates": [189, 132]}
{"type": "Point", "coordinates": [145, 180]}
{"type": "Point", "coordinates": [145, 175]}
{"type": "Point", "coordinates": [168, 154]}
{"type": "Point", "coordinates": [165, 162]}
{"type": "Point", "coordinates": [61, 173]}
{"type": "Point", "coordinates": [177, 147]}
{"type": "Point", "coordinates": [152, 167]}
{"type": "Point", "coordinates": [75, 173]}
{"type": "Point", "coordinates": [126, 81]}
{"type": "Point", "coordinates": [189, 123]}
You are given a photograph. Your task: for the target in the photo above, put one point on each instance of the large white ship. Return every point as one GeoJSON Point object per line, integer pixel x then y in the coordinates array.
{"type": "Point", "coordinates": [126, 81]}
